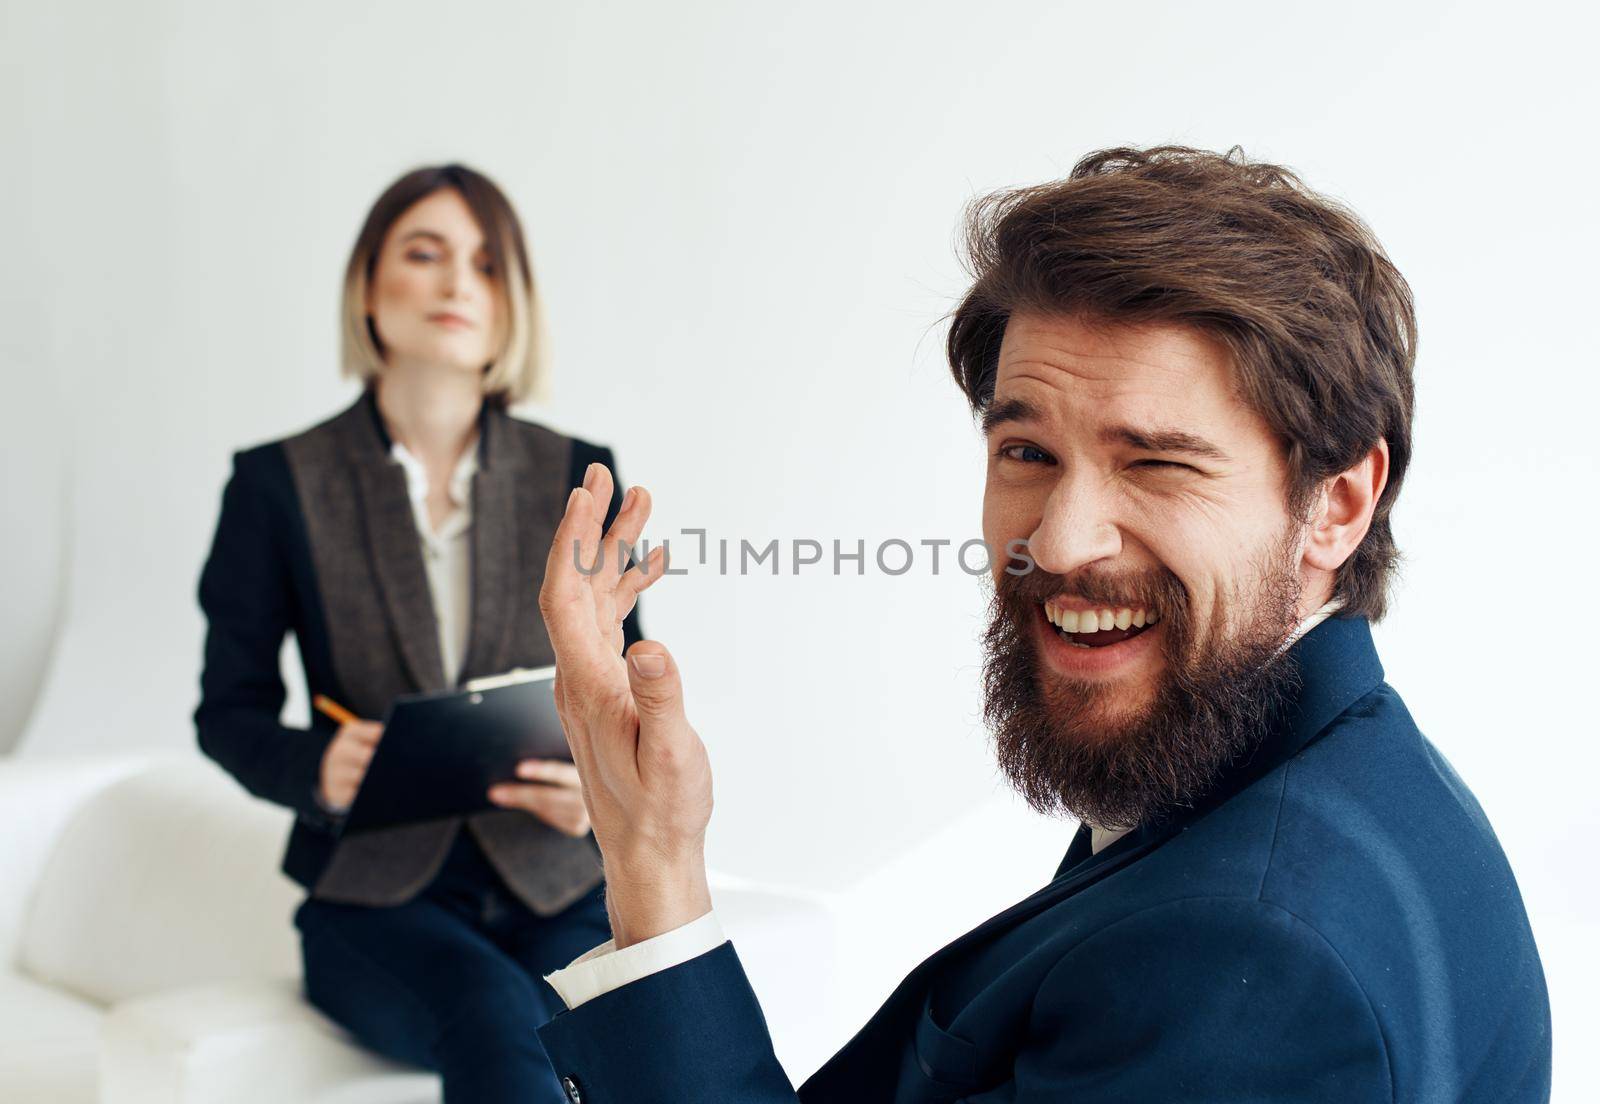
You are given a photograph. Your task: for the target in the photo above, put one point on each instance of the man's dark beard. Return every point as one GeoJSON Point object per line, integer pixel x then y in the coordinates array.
{"type": "Point", "coordinates": [1216, 699]}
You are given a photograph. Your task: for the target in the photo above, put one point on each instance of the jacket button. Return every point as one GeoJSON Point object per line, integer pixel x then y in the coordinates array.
{"type": "Point", "coordinates": [571, 1088]}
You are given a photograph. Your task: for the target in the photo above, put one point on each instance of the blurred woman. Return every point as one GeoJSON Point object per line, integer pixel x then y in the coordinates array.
{"type": "Point", "coordinates": [403, 542]}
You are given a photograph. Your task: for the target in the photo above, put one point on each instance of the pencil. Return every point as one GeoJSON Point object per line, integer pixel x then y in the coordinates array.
{"type": "Point", "coordinates": [333, 709]}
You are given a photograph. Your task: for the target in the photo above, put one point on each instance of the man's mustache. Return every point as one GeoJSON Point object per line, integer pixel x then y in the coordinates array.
{"type": "Point", "coordinates": [1157, 590]}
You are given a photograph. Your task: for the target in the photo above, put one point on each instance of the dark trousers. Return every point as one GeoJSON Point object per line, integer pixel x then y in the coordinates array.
{"type": "Point", "coordinates": [452, 980]}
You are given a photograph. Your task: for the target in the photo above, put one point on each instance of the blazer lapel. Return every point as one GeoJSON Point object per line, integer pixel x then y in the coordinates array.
{"type": "Point", "coordinates": [1081, 848]}
{"type": "Point", "coordinates": [496, 547]}
{"type": "Point", "coordinates": [1073, 877]}
{"type": "Point", "coordinates": [394, 548]}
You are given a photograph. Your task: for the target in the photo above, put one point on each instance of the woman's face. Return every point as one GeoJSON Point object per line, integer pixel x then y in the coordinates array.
{"type": "Point", "coordinates": [433, 299]}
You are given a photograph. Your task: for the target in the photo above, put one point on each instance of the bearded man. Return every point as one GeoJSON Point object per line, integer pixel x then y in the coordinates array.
{"type": "Point", "coordinates": [1194, 377]}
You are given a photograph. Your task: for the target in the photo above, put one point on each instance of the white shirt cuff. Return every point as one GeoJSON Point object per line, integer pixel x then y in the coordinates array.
{"type": "Point", "coordinates": [605, 968]}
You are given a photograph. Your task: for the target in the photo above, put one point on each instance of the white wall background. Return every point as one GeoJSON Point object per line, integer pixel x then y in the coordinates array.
{"type": "Point", "coordinates": [744, 216]}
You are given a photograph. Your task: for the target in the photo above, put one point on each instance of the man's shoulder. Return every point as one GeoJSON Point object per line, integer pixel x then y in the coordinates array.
{"type": "Point", "coordinates": [1367, 857]}
{"type": "Point", "coordinates": [1374, 801]}
{"type": "Point", "coordinates": [1369, 809]}
{"type": "Point", "coordinates": [1384, 852]}
{"type": "Point", "coordinates": [1358, 835]}
{"type": "Point", "coordinates": [1377, 835]}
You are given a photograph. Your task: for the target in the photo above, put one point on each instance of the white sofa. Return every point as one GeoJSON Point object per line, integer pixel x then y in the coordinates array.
{"type": "Point", "coordinates": [147, 953]}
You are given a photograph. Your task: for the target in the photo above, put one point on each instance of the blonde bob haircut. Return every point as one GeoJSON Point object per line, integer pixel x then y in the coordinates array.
{"type": "Point", "coordinates": [519, 370]}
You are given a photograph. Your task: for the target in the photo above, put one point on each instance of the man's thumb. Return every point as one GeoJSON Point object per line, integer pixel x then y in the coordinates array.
{"type": "Point", "coordinates": [653, 677]}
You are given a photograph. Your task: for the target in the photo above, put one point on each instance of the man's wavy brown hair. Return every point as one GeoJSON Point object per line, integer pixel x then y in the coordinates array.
{"type": "Point", "coordinates": [1319, 323]}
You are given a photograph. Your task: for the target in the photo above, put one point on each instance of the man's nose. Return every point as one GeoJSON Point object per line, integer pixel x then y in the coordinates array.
{"type": "Point", "coordinates": [1078, 527]}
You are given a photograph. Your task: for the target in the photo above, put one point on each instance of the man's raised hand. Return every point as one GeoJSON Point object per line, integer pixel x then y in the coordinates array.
{"type": "Point", "coordinates": [646, 777]}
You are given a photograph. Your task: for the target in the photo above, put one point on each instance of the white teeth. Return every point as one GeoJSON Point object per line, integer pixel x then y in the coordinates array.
{"type": "Point", "coordinates": [1089, 621]}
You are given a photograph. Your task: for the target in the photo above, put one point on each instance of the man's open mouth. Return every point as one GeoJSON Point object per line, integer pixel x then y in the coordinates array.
{"type": "Point", "coordinates": [1099, 628]}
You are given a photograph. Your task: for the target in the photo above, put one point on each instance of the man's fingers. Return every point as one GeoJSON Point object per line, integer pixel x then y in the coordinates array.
{"type": "Point", "coordinates": [565, 599]}
{"type": "Point", "coordinates": [575, 530]}
{"type": "Point", "coordinates": [657, 689]}
{"type": "Point", "coordinates": [624, 534]}
{"type": "Point", "coordinates": [599, 562]}
{"type": "Point", "coordinates": [640, 578]}
{"type": "Point", "coordinates": [598, 482]}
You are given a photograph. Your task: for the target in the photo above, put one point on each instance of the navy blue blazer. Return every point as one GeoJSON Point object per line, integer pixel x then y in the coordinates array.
{"type": "Point", "coordinates": [1335, 921]}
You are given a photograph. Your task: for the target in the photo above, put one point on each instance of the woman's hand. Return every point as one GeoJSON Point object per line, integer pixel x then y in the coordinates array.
{"type": "Point", "coordinates": [553, 792]}
{"type": "Point", "coordinates": [646, 776]}
{"type": "Point", "coordinates": [344, 763]}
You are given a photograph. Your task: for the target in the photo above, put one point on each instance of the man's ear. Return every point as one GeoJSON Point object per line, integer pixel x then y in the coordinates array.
{"type": "Point", "coordinates": [1344, 510]}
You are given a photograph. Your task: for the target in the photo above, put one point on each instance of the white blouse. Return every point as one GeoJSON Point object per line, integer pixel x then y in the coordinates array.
{"type": "Point", "coordinates": [447, 552]}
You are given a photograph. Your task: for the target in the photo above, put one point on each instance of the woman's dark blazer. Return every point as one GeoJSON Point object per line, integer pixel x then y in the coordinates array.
{"type": "Point", "coordinates": [317, 536]}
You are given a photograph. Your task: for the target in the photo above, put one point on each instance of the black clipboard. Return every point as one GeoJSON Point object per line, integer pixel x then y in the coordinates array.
{"type": "Point", "coordinates": [441, 752]}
